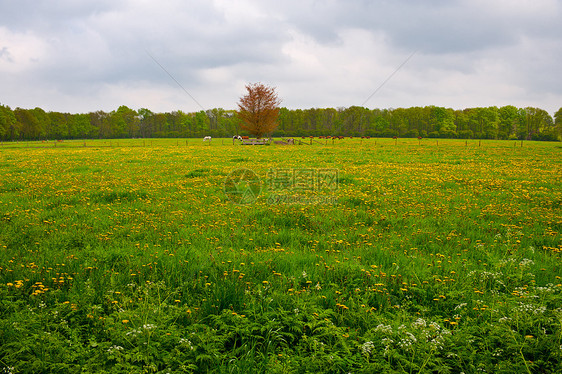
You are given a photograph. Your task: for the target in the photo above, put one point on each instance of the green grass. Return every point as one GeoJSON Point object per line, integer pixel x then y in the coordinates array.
{"type": "Point", "coordinates": [128, 256]}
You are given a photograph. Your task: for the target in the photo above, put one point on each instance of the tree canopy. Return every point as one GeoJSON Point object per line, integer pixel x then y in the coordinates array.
{"type": "Point", "coordinates": [507, 122]}
{"type": "Point", "coordinates": [258, 110]}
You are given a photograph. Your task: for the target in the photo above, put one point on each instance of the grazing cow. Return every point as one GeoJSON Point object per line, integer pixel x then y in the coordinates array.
{"type": "Point", "coordinates": [207, 139]}
{"type": "Point", "coordinates": [245, 137]}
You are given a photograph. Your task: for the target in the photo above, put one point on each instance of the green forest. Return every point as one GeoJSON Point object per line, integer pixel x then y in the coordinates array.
{"type": "Point", "coordinates": [507, 122]}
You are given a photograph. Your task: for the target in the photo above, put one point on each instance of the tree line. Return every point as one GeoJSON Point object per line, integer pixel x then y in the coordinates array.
{"type": "Point", "coordinates": [507, 122]}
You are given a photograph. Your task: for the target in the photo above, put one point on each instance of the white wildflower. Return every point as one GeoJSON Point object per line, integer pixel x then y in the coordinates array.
{"type": "Point", "coordinates": [419, 323]}
{"type": "Point", "coordinates": [384, 329]}
{"type": "Point", "coordinates": [187, 342]}
{"type": "Point", "coordinates": [115, 348]}
{"type": "Point", "coordinates": [367, 347]}
{"type": "Point", "coordinates": [526, 263]}
{"type": "Point", "coordinates": [460, 306]}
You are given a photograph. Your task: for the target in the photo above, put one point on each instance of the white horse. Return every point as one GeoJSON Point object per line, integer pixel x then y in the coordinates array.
{"type": "Point", "coordinates": [207, 139]}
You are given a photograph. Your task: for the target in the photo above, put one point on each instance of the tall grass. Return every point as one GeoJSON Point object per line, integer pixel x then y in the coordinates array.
{"type": "Point", "coordinates": [127, 256]}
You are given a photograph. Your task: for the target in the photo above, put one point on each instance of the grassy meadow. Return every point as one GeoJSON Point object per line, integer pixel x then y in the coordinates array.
{"type": "Point", "coordinates": [420, 257]}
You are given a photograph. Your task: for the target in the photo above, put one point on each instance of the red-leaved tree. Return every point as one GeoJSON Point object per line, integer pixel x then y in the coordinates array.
{"type": "Point", "coordinates": [259, 109]}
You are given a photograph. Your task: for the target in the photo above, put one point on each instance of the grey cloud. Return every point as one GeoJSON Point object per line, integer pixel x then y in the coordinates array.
{"type": "Point", "coordinates": [89, 45]}
{"type": "Point", "coordinates": [5, 54]}
{"type": "Point", "coordinates": [431, 26]}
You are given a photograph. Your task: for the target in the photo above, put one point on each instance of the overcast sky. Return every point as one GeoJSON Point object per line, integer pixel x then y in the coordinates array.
{"type": "Point", "coordinates": [81, 56]}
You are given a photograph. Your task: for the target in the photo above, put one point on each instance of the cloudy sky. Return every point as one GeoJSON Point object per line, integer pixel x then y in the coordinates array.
{"type": "Point", "coordinates": [80, 56]}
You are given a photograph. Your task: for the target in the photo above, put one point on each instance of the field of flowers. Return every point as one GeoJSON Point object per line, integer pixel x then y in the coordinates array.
{"type": "Point", "coordinates": [358, 256]}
